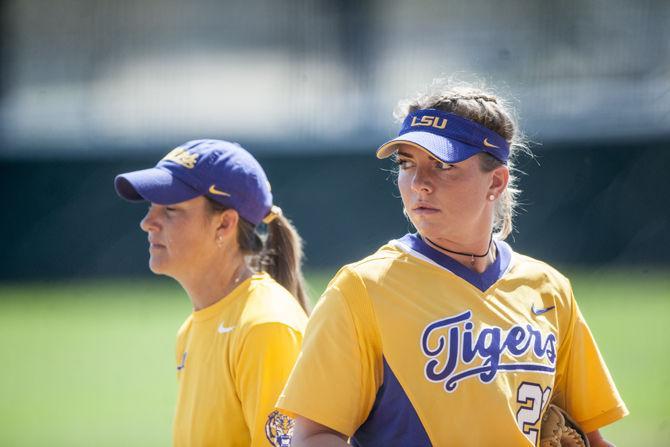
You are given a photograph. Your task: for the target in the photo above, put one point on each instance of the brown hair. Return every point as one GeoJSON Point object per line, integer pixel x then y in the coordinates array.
{"type": "Point", "coordinates": [278, 252]}
{"type": "Point", "coordinates": [480, 104]}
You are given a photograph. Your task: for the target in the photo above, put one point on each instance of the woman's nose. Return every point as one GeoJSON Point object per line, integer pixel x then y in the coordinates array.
{"type": "Point", "coordinates": [148, 222]}
{"type": "Point", "coordinates": [422, 181]}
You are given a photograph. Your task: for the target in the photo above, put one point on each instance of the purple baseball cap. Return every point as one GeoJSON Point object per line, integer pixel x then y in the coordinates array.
{"type": "Point", "coordinates": [447, 136]}
{"type": "Point", "coordinates": [220, 170]}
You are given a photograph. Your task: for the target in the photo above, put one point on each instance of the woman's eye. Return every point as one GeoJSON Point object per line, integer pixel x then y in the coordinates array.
{"type": "Point", "coordinates": [403, 163]}
{"type": "Point", "coordinates": [442, 166]}
{"type": "Point", "coordinates": [169, 208]}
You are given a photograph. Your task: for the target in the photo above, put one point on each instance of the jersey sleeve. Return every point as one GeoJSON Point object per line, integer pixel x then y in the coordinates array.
{"type": "Point", "coordinates": [266, 358]}
{"type": "Point", "coordinates": [584, 387]}
{"type": "Point", "coordinates": [338, 372]}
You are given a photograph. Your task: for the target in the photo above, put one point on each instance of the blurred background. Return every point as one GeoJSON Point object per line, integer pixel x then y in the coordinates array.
{"type": "Point", "coordinates": [89, 89]}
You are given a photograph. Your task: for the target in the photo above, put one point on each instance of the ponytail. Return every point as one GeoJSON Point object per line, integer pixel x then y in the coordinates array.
{"type": "Point", "coordinates": [279, 253]}
{"type": "Point", "coordinates": [281, 257]}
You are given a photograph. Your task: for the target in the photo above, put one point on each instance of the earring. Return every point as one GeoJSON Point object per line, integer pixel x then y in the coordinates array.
{"type": "Point", "coordinates": [492, 197]}
{"type": "Point", "coordinates": [219, 241]}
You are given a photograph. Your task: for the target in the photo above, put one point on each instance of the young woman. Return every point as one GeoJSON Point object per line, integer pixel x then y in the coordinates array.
{"type": "Point", "coordinates": [235, 351]}
{"type": "Point", "coordinates": [447, 337]}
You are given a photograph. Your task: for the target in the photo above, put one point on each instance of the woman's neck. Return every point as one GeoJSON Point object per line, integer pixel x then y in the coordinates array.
{"type": "Point", "coordinates": [476, 256]}
{"type": "Point", "coordinates": [216, 283]}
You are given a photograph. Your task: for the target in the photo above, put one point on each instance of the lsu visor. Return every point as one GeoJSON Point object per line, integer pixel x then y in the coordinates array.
{"type": "Point", "coordinates": [220, 170]}
{"type": "Point", "coordinates": [449, 137]}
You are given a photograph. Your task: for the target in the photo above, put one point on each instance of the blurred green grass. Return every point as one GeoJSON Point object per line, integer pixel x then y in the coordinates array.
{"type": "Point", "coordinates": [92, 362]}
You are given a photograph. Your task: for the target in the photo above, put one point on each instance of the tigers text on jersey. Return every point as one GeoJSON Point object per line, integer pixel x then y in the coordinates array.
{"type": "Point", "coordinates": [233, 359]}
{"type": "Point", "coordinates": [410, 348]}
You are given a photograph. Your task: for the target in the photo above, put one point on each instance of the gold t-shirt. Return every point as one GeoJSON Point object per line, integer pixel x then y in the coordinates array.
{"type": "Point", "coordinates": [233, 359]}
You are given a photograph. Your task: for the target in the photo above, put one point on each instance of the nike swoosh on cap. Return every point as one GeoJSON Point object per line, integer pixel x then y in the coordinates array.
{"type": "Point", "coordinates": [213, 190]}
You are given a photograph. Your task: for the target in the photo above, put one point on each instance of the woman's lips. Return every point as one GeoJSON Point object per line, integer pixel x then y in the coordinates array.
{"type": "Point", "coordinates": [155, 246]}
{"type": "Point", "coordinates": [425, 210]}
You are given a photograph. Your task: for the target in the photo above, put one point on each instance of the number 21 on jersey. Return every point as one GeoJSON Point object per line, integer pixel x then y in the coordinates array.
{"type": "Point", "coordinates": [533, 399]}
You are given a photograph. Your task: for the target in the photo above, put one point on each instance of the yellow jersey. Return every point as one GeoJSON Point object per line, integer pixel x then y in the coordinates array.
{"type": "Point", "coordinates": [410, 348]}
{"type": "Point", "coordinates": [233, 359]}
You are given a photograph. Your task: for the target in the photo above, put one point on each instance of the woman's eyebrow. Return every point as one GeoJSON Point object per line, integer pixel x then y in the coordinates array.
{"type": "Point", "coordinates": [405, 154]}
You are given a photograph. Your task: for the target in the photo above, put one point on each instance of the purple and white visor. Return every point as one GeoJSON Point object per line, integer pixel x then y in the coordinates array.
{"type": "Point", "coordinates": [449, 137]}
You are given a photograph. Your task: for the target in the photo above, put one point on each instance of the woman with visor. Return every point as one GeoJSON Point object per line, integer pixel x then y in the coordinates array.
{"type": "Point", "coordinates": [236, 349]}
{"type": "Point", "coordinates": [446, 336]}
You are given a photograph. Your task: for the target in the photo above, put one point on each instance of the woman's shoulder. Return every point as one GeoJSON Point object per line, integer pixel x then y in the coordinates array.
{"type": "Point", "coordinates": [535, 270]}
{"type": "Point", "coordinates": [373, 266]}
{"type": "Point", "coordinates": [353, 281]}
{"type": "Point", "coordinates": [268, 302]}
{"type": "Point", "coordinates": [185, 327]}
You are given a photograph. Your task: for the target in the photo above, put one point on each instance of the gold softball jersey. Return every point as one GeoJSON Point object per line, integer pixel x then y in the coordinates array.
{"type": "Point", "coordinates": [233, 359]}
{"type": "Point", "coordinates": [410, 348]}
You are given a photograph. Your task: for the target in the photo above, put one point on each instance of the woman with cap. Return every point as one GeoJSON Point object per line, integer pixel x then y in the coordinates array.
{"type": "Point", "coordinates": [447, 337]}
{"type": "Point", "coordinates": [234, 352]}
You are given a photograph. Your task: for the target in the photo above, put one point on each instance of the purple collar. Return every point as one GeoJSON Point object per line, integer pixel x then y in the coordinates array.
{"type": "Point", "coordinates": [480, 280]}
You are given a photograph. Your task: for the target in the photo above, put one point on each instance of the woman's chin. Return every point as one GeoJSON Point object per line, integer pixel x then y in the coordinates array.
{"type": "Point", "coordinates": [428, 229]}
{"type": "Point", "coordinates": [157, 266]}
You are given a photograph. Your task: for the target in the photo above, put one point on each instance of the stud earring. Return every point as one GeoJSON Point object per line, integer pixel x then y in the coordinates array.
{"type": "Point", "coordinates": [492, 197]}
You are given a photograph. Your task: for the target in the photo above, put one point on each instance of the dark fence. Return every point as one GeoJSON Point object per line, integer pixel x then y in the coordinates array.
{"type": "Point", "coordinates": [605, 204]}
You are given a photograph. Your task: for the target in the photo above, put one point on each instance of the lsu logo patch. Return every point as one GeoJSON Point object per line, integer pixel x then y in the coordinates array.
{"type": "Point", "coordinates": [279, 429]}
{"type": "Point", "coordinates": [430, 121]}
{"type": "Point", "coordinates": [180, 156]}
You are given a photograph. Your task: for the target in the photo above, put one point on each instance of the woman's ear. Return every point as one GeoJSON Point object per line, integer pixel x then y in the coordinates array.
{"type": "Point", "coordinates": [226, 224]}
{"type": "Point", "coordinates": [499, 180]}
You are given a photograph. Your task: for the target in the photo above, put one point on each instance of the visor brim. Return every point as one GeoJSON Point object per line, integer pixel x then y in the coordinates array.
{"type": "Point", "coordinates": [444, 149]}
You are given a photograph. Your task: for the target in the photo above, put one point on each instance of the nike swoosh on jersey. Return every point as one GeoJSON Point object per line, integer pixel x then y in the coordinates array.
{"type": "Point", "coordinates": [541, 311]}
{"type": "Point", "coordinates": [224, 330]}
